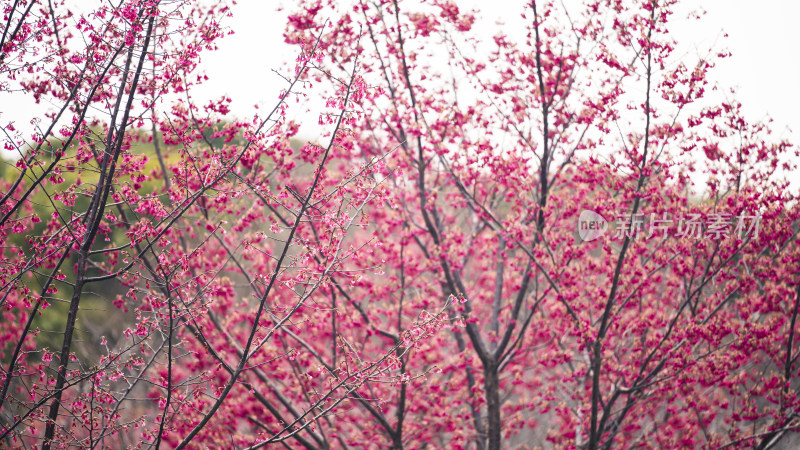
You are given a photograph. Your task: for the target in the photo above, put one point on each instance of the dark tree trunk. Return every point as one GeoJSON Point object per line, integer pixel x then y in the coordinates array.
{"type": "Point", "coordinates": [491, 383]}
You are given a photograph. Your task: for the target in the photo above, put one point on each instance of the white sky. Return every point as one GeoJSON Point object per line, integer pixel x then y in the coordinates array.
{"type": "Point", "coordinates": [764, 68]}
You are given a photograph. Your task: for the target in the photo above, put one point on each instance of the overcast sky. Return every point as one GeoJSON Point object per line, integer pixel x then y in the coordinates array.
{"type": "Point", "coordinates": [762, 36]}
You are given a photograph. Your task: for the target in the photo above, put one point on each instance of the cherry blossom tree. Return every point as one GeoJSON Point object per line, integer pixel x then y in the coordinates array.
{"type": "Point", "coordinates": [564, 236]}
{"type": "Point", "coordinates": [212, 236]}
{"type": "Point", "coordinates": [679, 339]}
